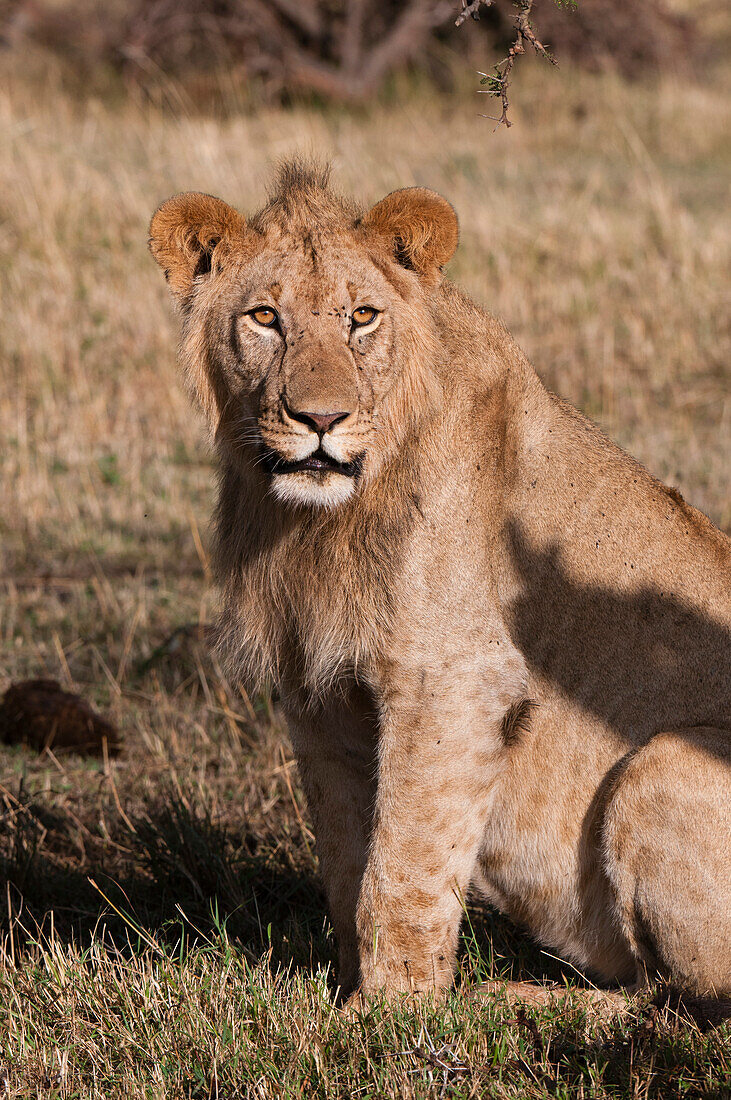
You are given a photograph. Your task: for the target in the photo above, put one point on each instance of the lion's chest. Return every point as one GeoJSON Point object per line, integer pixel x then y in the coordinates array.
{"type": "Point", "coordinates": [306, 616]}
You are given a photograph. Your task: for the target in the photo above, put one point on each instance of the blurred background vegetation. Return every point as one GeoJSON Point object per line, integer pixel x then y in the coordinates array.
{"type": "Point", "coordinates": [347, 49]}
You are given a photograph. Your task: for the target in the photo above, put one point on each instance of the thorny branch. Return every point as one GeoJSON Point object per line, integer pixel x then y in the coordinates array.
{"type": "Point", "coordinates": [498, 81]}
{"type": "Point", "coordinates": [471, 10]}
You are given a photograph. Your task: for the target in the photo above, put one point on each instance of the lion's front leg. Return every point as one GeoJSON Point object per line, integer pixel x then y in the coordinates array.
{"type": "Point", "coordinates": [335, 747]}
{"type": "Point", "coordinates": [438, 764]}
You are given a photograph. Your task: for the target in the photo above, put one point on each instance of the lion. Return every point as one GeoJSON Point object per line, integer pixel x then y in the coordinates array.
{"type": "Point", "coordinates": [502, 647]}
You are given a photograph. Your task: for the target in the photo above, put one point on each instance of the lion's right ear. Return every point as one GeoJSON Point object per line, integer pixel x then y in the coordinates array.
{"type": "Point", "coordinates": [190, 235]}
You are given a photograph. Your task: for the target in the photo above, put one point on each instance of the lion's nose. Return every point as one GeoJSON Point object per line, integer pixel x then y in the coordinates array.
{"type": "Point", "coordinates": [321, 421]}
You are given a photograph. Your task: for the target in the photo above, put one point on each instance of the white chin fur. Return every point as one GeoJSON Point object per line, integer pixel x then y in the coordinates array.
{"type": "Point", "coordinates": [322, 491]}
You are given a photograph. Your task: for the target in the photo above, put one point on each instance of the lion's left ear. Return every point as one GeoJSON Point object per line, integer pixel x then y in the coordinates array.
{"type": "Point", "coordinates": [420, 226]}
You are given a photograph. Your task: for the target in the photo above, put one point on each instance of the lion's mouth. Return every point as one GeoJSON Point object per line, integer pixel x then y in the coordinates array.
{"type": "Point", "coordinates": [317, 463]}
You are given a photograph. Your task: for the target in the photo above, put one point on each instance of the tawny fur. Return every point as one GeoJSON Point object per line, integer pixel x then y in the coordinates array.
{"type": "Point", "coordinates": [503, 648]}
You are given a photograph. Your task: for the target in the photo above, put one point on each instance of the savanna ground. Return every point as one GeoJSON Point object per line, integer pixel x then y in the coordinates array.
{"type": "Point", "coordinates": [165, 933]}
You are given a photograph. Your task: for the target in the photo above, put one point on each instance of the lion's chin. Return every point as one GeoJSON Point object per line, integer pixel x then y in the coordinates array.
{"type": "Point", "coordinates": [320, 490]}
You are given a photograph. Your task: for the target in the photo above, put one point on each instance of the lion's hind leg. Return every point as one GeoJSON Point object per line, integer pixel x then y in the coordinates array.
{"type": "Point", "coordinates": [667, 846]}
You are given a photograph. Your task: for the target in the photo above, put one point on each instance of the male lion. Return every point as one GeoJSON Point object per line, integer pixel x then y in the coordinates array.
{"type": "Point", "coordinates": [502, 646]}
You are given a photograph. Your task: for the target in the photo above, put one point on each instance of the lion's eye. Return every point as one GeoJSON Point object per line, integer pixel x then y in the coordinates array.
{"type": "Point", "coordinates": [264, 316]}
{"type": "Point", "coordinates": [364, 315]}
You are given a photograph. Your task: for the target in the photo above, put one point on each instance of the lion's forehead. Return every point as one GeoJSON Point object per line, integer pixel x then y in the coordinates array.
{"type": "Point", "coordinates": [321, 274]}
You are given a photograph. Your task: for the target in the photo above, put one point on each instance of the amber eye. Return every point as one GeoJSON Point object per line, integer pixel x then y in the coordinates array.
{"type": "Point", "coordinates": [264, 316]}
{"type": "Point", "coordinates": [364, 315]}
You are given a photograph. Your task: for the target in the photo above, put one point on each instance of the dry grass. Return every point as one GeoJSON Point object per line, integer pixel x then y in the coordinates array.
{"type": "Point", "coordinates": [595, 230]}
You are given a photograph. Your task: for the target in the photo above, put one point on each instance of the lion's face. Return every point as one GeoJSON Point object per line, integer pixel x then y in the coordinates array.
{"type": "Point", "coordinates": [313, 343]}
{"type": "Point", "coordinates": [299, 322]}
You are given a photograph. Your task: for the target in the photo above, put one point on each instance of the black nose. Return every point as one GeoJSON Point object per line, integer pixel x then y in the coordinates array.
{"type": "Point", "coordinates": [321, 421]}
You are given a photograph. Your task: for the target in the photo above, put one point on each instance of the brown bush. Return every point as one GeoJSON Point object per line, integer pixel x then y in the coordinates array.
{"type": "Point", "coordinates": [627, 35]}
{"type": "Point", "coordinates": [342, 49]}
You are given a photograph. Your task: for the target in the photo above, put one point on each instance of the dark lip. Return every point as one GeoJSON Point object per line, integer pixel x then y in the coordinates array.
{"type": "Point", "coordinates": [316, 463]}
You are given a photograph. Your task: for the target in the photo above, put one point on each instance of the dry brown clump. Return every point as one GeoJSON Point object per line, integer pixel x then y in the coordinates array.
{"type": "Point", "coordinates": [40, 714]}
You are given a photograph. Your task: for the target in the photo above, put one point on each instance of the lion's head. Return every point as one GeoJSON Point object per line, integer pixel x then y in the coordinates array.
{"type": "Point", "coordinates": [305, 326]}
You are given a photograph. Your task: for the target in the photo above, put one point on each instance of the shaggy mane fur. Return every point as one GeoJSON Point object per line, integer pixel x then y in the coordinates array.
{"type": "Point", "coordinates": [301, 198]}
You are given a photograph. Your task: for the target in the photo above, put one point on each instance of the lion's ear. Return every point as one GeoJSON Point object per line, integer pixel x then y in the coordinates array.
{"type": "Point", "coordinates": [420, 226]}
{"type": "Point", "coordinates": [190, 235]}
